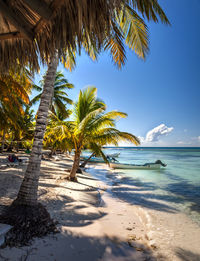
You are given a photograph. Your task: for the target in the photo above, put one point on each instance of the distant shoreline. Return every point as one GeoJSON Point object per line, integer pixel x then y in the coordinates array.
{"type": "Point", "coordinates": [162, 148]}
{"type": "Point", "coordinates": [147, 147]}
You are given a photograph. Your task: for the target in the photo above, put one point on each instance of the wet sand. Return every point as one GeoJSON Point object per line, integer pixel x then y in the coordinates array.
{"type": "Point", "coordinates": [172, 234]}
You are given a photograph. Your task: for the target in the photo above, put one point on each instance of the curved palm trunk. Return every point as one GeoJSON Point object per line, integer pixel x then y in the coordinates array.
{"type": "Point", "coordinates": [87, 160]}
{"type": "Point", "coordinates": [28, 191]}
{"type": "Point", "coordinates": [75, 165]}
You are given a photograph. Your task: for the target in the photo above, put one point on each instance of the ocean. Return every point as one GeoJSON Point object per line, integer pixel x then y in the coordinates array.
{"type": "Point", "coordinates": [176, 187]}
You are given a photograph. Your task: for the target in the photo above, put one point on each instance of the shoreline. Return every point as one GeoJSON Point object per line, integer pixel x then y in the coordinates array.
{"type": "Point", "coordinates": [89, 230]}
{"type": "Point", "coordinates": [94, 223]}
{"type": "Point", "coordinates": [172, 234]}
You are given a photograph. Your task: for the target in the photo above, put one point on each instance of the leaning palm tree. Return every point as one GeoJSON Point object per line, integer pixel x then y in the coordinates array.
{"type": "Point", "coordinates": [94, 128]}
{"type": "Point", "coordinates": [60, 96]}
{"type": "Point", "coordinates": [91, 127]}
{"type": "Point", "coordinates": [25, 213]}
{"type": "Point", "coordinates": [126, 26]}
{"type": "Point", "coordinates": [99, 24]}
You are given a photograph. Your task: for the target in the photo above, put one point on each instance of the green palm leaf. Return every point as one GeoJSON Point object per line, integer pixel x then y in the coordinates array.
{"type": "Point", "coordinates": [135, 31]}
{"type": "Point", "coordinates": [150, 9]}
{"type": "Point", "coordinates": [60, 99]}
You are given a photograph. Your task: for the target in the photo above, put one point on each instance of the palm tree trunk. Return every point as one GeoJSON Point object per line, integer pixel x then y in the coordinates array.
{"type": "Point", "coordinates": [75, 166]}
{"type": "Point", "coordinates": [3, 140]}
{"type": "Point", "coordinates": [28, 191]}
{"type": "Point", "coordinates": [87, 160]}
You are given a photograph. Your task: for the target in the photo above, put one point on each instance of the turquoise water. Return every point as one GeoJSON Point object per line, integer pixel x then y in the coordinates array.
{"type": "Point", "coordinates": [174, 188]}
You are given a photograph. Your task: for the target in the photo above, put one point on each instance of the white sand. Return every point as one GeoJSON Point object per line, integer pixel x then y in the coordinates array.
{"type": "Point", "coordinates": [89, 230]}
{"type": "Point", "coordinates": [94, 225]}
{"type": "Point", "coordinates": [173, 234]}
{"type": "Point", "coordinates": [177, 237]}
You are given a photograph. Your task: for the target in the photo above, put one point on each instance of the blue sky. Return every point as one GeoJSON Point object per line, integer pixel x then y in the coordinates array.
{"type": "Point", "coordinates": [160, 95]}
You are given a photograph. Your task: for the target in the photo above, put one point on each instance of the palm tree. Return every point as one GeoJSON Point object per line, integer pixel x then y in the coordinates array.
{"type": "Point", "coordinates": [126, 25]}
{"type": "Point", "coordinates": [113, 42]}
{"type": "Point", "coordinates": [22, 133]}
{"type": "Point", "coordinates": [14, 90]}
{"type": "Point", "coordinates": [56, 135]}
{"type": "Point", "coordinates": [25, 213]}
{"type": "Point", "coordinates": [107, 32]}
{"type": "Point", "coordinates": [91, 127]}
{"type": "Point", "coordinates": [28, 191]}
{"type": "Point", "coordinates": [94, 128]}
{"type": "Point", "coordinates": [60, 97]}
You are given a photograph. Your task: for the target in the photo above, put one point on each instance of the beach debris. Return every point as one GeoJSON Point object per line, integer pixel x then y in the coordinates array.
{"type": "Point", "coordinates": [135, 246]}
{"type": "Point", "coordinates": [28, 222]}
{"type": "Point", "coordinates": [139, 249]}
{"type": "Point", "coordinates": [129, 228]}
{"type": "Point", "coordinates": [153, 246]}
{"type": "Point", "coordinates": [132, 237]}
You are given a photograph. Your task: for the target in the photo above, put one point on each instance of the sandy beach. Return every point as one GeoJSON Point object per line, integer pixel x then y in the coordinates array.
{"type": "Point", "coordinates": [99, 130]}
{"type": "Point", "coordinates": [94, 224]}
{"type": "Point", "coordinates": [171, 233]}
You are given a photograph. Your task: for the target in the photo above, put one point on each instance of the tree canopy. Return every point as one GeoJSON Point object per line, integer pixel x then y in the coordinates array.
{"type": "Point", "coordinates": [32, 30]}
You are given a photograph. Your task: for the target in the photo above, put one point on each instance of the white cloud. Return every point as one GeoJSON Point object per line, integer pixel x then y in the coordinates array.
{"type": "Point", "coordinates": [156, 133]}
{"type": "Point", "coordinates": [183, 142]}
{"type": "Point", "coordinates": [196, 139]}
{"type": "Point", "coordinates": [142, 139]}
{"type": "Point", "coordinates": [180, 142]}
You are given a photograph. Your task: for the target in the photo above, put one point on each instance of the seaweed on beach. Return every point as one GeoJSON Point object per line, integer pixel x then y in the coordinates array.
{"type": "Point", "coordinates": [27, 222]}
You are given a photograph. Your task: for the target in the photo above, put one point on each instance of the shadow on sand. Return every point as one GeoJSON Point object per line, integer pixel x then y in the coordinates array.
{"type": "Point", "coordinates": [70, 213]}
{"type": "Point", "coordinates": [186, 255]}
{"type": "Point", "coordinates": [71, 246]}
{"type": "Point", "coordinates": [134, 191]}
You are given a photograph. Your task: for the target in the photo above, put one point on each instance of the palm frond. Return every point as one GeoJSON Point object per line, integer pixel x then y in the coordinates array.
{"type": "Point", "coordinates": [37, 88]}
{"type": "Point", "coordinates": [150, 9]}
{"type": "Point", "coordinates": [114, 43]}
{"type": "Point", "coordinates": [97, 149]}
{"type": "Point", "coordinates": [63, 99]}
{"type": "Point", "coordinates": [81, 128]}
{"type": "Point", "coordinates": [135, 31]}
{"type": "Point", "coordinates": [63, 86]}
{"type": "Point", "coordinates": [35, 99]}
{"type": "Point", "coordinates": [129, 138]}
{"type": "Point", "coordinates": [90, 46]}
{"type": "Point", "coordinates": [87, 102]}
{"type": "Point", "coordinates": [60, 106]}
{"type": "Point", "coordinates": [116, 115]}
{"type": "Point", "coordinates": [69, 60]}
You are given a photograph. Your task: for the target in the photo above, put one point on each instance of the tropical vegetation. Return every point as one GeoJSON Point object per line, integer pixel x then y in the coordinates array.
{"type": "Point", "coordinates": [60, 96]}
{"type": "Point", "coordinates": [107, 32]}
{"type": "Point", "coordinates": [52, 32]}
{"type": "Point", "coordinates": [15, 88]}
{"type": "Point", "coordinates": [91, 126]}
